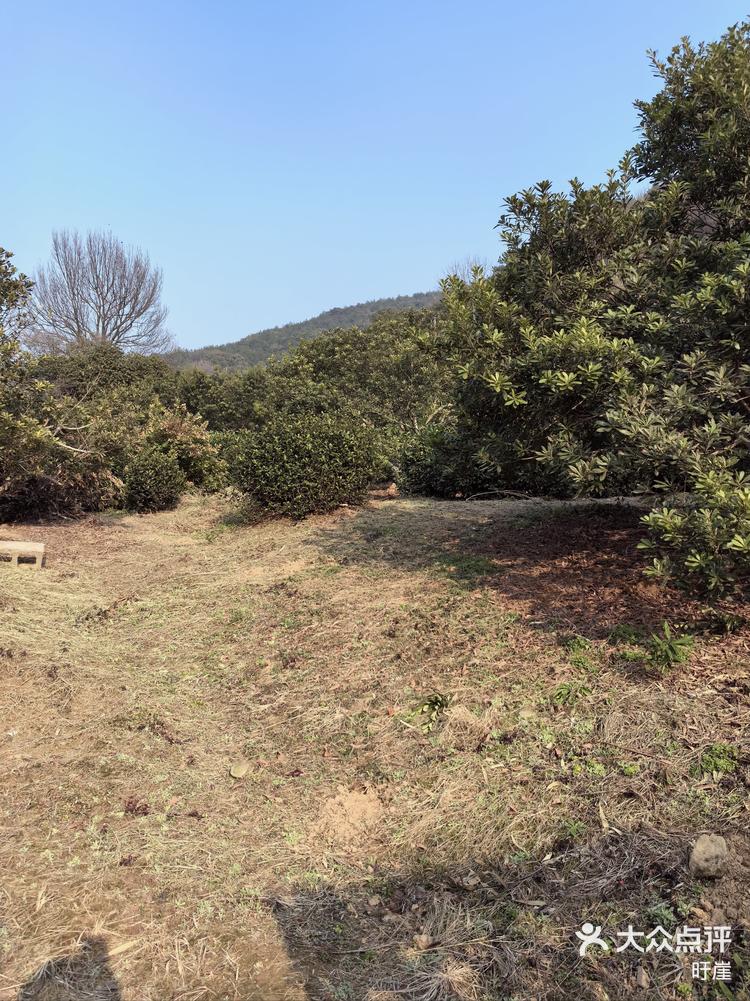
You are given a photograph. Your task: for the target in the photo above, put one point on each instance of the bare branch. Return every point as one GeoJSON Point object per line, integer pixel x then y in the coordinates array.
{"type": "Point", "coordinates": [97, 291]}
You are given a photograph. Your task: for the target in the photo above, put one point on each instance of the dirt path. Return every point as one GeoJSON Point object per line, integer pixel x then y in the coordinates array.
{"type": "Point", "coordinates": [156, 655]}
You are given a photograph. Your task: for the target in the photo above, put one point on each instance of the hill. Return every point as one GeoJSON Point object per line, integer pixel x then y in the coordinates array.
{"type": "Point", "coordinates": [259, 347]}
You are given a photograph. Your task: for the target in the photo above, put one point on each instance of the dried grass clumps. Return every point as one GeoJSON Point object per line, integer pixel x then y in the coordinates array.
{"type": "Point", "coordinates": [458, 956]}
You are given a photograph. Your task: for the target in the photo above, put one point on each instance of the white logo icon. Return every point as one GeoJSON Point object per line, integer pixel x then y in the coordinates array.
{"type": "Point", "coordinates": [589, 935]}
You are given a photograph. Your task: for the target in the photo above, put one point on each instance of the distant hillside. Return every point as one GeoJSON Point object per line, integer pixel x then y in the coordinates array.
{"type": "Point", "coordinates": [256, 348]}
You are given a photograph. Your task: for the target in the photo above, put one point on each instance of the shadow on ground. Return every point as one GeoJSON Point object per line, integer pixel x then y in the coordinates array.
{"type": "Point", "coordinates": [484, 930]}
{"type": "Point", "coordinates": [84, 975]}
{"type": "Point", "coordinates": [563, 565]}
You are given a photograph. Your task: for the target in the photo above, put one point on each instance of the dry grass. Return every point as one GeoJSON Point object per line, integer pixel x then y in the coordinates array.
{"type": "Point", "coordinates": [370, 850]}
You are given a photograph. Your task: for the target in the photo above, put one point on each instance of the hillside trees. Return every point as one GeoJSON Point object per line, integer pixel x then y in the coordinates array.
{"type": "Point", "coordinates": [369, 391]}
{"type": "Point", "coordinates": [312, 429]}
{"type": "Point", "coordinates": [389, 374]}
{"type": "Point", "coordinates": [260, 347]}
{"type": "Point", "coordinates": [387, 378]}
{"type": "Point", "coordinates": [96, 369]}
{"type": "Point", "coordinates": [45, 462]}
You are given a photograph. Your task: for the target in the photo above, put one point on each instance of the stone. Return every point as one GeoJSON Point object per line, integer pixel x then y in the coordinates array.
{"type": "Point", "coordinates": [13, 550]}
{"type": "Point", "coordinates": [709, 857]}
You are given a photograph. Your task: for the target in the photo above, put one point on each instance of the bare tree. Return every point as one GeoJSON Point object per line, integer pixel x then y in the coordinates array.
{"type": "Point", "coordinates": [97, 291]}
{"type": "Point", "coordinates": [464, 268]}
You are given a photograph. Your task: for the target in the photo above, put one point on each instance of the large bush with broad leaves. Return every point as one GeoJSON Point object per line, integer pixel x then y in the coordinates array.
{"type": "Point", "coordinates": [609, 351]}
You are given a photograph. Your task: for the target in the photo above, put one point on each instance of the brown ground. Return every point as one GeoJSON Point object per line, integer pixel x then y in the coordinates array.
{"type": "Point", "coordinates": [368, 849]}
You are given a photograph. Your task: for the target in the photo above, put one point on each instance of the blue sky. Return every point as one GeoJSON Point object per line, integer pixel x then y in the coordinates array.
{"type": "Point", "coordinates": [281, 159]}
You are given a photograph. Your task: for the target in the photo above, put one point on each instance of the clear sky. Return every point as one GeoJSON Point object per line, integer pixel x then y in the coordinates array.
{"type": "Point", "coordinates": [278, 159]}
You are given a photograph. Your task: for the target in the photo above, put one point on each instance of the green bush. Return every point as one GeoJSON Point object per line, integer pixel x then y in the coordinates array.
{"type": "Point", "coordinates": [438, 462]}
{"type": "Point", "coordinates": [97, 369]}
{"type": "Point", "coordinates": [153, 480]}
{"type": "Point", "coordinates": [231, 447]}
{"type": "Point", "coordinates": [669, 648]}
{"type": "Point", "coordinates": [187, 438]}
{"type": "Point", "coordinates": [39, 478]}
{"type": "Point", "coordinates": [298, 466]}
{"type": "Point", "coordinates": [704, 547]}
{"type": "Point", "coordinates": [50, 464]}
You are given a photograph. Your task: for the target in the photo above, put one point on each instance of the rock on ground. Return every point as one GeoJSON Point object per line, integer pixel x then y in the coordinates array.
{"type": "Point", "coordinates": [709, 857]}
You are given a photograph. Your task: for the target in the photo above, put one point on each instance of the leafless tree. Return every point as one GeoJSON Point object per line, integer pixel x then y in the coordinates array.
{"type": "Point", "coordinates": [465, 267]}
{"type": "Point", "coordinates": [95, 290]}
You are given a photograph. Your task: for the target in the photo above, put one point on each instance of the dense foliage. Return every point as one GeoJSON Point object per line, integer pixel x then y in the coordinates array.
{"type": "Point", "coordinates": [609, 351]}
{"type": "Point", "coordinates": [299, 465]}
{"type": "Point", "coordinates": [144, 432]}
{"type": "Point", "coordinates": [44, 464]}
{"type": "Point", "coordinates": [153, 480]}
{"type": "Point", "coordinates": [78, 431]}
{"type": "Point", "coordinates": [15, 289]}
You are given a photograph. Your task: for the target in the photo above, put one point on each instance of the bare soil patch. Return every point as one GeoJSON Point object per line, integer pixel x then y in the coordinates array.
{"type": "Point", "coordinates": [348, 819]}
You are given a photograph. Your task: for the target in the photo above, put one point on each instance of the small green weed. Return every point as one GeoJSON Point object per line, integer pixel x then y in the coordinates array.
{"type": "Point", "coordinates": [718, 758]}
{"type": "Point", "coordinates": [629, 768]}
{"type": "Point", "coordinates": [432, 709]}
{"type": "Point", "coordinates": [631, 656]}
{"type": "Point", "coordinates": [577, 644]}
{"type": "Point", "coordinates": [589, 767]}
{"type": "Point", "coordinates": [583, 663]}
{"type": "Point", "coordinates": [573, 829]}
{"type": "Point", "coordinates": [569, 692]}
{"type": "Point", "coordinates": [661, 913]}
{"type": "Point", "coordinates": [669, 648]}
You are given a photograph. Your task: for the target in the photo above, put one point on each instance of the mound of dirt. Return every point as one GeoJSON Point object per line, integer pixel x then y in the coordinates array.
{"type": "Point", "coordinates": [348, 818]}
